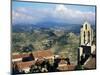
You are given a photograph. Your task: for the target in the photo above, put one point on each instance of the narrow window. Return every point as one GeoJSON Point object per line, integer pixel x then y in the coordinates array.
{"type": "Point", "coordinates": [84, 36]}
{"type": "Point", "coordinates": [88, 36]}
{"type": "Point", "coordinates": [86, 26]}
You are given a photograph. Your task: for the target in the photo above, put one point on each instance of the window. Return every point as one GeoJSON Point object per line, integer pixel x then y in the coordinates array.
{"type": "Point", "coordinates": [88, 36]}
{"type": "Point", "coordinates": [84, 36]}
{"type": "Point", "coordinates": [86, 26]}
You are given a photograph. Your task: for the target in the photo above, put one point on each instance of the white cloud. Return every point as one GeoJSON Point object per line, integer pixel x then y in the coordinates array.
{"type": "Point", "coordinates": [22, 16]}
{"type": "Point", "coordinates": [60, 13]}
{"type": "Point", "coordinates": [75, 16]}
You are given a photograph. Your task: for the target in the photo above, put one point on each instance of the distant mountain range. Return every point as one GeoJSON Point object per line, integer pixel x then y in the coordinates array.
{"type": "Point", "coordinates": [49, 26]}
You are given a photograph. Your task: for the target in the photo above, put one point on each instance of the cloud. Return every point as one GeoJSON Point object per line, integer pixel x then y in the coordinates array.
{"type": "Point", "coordinates": [73, 16]}
{"type": "Point", "coordinates": [22, 16]}
{"type": "Point", "coordinates": [60, 13]}
{"type": "Point", "coordinates": [29, 15]}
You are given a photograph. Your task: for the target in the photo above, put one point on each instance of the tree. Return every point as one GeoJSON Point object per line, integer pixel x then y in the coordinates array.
{"type": "Point", "coordinates": [35, 69]}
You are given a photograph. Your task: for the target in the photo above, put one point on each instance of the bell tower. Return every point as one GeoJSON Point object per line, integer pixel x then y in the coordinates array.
{"type": "Point", "coordinates": [86, 38]}
{"type": "Point", "coordinates": [86, 34]}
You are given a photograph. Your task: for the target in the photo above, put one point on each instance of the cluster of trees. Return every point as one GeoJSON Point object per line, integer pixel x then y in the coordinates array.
{"type": "Point", "coordinates": [23, 49]}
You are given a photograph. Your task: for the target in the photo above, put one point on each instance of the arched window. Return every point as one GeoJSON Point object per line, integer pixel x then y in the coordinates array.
{"type": "Point", "coordinates": [86, 26]}
{"type": "Point", "coordinates": [88, 36]}
{"type": "Point", "coordinates": [84, 36]}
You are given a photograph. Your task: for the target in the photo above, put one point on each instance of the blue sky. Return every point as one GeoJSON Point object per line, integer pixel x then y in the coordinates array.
{"type": "Point", "coordinates": [31, 4]}
{"type": "Point", "coordinates": [30, 12]}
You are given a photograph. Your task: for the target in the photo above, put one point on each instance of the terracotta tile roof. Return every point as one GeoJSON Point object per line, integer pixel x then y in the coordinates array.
{"type": "Point", "coordinates": [71, 67]}
{"type": "Point", "coordinates": [42, 53]}
{"type": "Point", "coordinates": [63, 62]}
{"type": "Point", "coordinates": [90, 63]}
{"type": "Point", "coordinates": [19, 56]}
{"type": "Point", "coordinates": [40, 61]}
{"type": "Point", "coordinates": [62, 68]}
{"type": "Point", "coordinates": [67, 68]}
{"type": "Point", "coordinates": [23, 65]}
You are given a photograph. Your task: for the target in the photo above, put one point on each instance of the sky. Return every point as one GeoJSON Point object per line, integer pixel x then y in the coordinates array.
{"type": "Point", "coordinates": [34, 13]}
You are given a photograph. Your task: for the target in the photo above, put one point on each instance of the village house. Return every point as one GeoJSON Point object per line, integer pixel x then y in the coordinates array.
{"type": "Point", "coordinates": [64, 66]}
{"type": "Point", "coordinates": [23, 62]}
{"type": "Point", "coordinates": [23, 66]}
{"type": "Point", "coordinates": [21, 57]}
{"type": "Point", "coordinates": [43, 54]}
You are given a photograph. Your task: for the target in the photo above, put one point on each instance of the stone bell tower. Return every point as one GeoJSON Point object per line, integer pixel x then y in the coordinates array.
{"type": "Point", "coordinates": [86, 38]}
{"type": "Point", "coordinates": [86, 33]}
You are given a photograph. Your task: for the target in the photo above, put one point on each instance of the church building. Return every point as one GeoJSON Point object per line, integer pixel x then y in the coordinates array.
{"type": "Point", "coordinates": [86, 39]}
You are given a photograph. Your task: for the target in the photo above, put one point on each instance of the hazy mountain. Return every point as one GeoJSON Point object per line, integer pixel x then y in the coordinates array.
{"type": "Point", "coordinates": [47, 26]}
